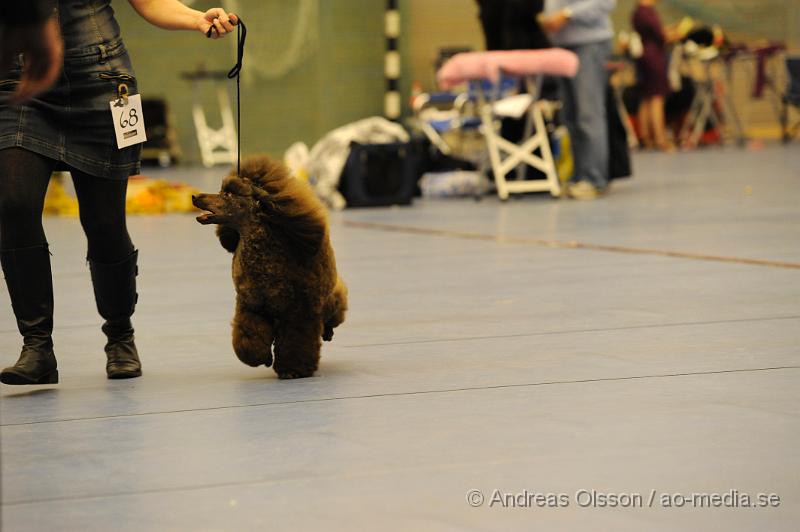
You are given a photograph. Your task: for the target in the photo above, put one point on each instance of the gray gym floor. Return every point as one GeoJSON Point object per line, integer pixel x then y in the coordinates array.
{"type": "Point", "coordinates": [644, 345]}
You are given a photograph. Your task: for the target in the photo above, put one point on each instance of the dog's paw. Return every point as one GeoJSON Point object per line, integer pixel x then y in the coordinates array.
{"type": "Point", "coordinates": [255, 360]}
{"type": "Point", "coordinates": [327, 333]}
{"type": "Point", "coordinates": [286, 375]}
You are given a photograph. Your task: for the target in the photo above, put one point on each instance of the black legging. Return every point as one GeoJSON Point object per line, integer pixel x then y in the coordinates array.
{"type": "Point", "coordinates": [24, 177]}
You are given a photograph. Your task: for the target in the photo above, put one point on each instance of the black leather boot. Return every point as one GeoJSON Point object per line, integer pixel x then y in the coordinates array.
{"type": "Point", "coordinates": [30, 286]}
{"type": "Point", "coordinates": [115, 294]}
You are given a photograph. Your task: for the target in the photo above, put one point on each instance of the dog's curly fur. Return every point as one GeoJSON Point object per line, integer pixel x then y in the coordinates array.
{"type": "Point", "coordinates": [287, 289]}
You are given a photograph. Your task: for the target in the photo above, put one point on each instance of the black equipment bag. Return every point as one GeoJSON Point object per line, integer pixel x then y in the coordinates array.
{"type": "Point", "coordinates": [377, 175]}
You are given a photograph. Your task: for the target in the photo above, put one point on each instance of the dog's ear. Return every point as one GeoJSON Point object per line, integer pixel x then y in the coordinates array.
{"type": "Point", "coordinates": [264, 200]}
{"type": "Point", "coordinates": [228, 237]}
{"type": "Point", "coordinates": [306, 238]}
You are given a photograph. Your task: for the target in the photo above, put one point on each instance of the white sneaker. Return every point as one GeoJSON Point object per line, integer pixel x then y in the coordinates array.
{"type": "Point", "coordinates": [583, 190]}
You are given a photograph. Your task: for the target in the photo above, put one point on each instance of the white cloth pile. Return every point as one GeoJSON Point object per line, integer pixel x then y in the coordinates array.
{"type": "Point", "coordinates": [327, 158]}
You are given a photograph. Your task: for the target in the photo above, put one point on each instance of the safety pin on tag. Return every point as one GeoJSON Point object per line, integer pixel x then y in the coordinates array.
{"type": "Point", "coordinates": [122, 96]}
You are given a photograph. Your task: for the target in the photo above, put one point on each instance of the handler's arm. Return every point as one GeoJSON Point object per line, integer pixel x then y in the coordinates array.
{"type": "Point", "coordinates": [173, 15]}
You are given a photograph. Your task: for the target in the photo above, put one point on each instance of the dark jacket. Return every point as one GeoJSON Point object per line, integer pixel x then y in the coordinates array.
{"type": "Point", "coordinates": [512, 25]}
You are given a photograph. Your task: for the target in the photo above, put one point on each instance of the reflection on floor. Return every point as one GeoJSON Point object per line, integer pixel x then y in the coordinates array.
{"type": "Point", "coordinates": [477, 355]}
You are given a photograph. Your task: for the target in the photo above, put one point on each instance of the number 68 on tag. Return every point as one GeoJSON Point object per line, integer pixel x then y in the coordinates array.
{"type": "Point", "coordinates": [128, 120]}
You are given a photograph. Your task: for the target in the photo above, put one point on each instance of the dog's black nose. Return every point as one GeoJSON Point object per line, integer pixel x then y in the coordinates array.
{"type": "Point", "coordinates": [194, 197]}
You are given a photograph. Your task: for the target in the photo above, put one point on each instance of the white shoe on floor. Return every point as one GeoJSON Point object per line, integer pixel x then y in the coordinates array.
{"type": "Point", "coordinates": [583, 190]}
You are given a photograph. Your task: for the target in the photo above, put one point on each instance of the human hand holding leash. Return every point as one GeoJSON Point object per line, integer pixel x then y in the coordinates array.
{"type": "Point", "coordinates": [215, 23]}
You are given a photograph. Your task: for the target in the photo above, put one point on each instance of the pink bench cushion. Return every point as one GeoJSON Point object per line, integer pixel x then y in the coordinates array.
{"type": "Point", "coordinates": [488, 65]}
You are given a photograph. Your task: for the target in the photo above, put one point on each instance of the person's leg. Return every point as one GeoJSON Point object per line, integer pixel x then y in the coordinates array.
{"type": "Point", "coordinates": [591, 138]}
{"type": "Point", "coordinates": [102, 213]}
{"type": "Point", "coordinates": [567, 94]}
{"type": "Point", "coordinates": [658, 124]}
{"type": "Point", "coordinates": [113, 265]}
{"type": "Point", "coordinates": [24, 177]}
{"type": "Point", "coordinates": [643, 117]}
{"type": "Point", "coordinates": [25, 259]}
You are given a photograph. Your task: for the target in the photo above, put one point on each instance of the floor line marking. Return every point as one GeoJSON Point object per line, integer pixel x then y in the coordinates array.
{"type": "Point", "coordinates": [576, 331]}
{"type": "Point", "coordinates": [405, 394]}
{"type": "Point", "coordinates": [371, 473]}
{"type": "Point", "coordinates": [569, 244]}
{"type": "Point", "coordinates": [491, 337]}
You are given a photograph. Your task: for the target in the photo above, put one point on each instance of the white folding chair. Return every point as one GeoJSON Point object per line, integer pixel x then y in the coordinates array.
{"type": "Point", "coordinates": [534, 148]}
{"type": "Point", "coordinates": [217, 146]}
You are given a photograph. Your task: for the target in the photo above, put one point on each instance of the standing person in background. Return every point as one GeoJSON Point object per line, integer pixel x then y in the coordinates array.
{"type": "Point", "coordinates": [651, 68]}
{"type": "Point", "coordinates": [491, 15]}
{"type": "Point", "coordinates": [512, 24]}
{"type": "Point", "coordinates": [584, 26]}
{"type": "Point", "coordinates": [69, 126]}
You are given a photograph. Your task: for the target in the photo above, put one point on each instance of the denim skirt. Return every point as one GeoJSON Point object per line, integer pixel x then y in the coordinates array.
{"type": "Point", "coordinates": [71, 123]}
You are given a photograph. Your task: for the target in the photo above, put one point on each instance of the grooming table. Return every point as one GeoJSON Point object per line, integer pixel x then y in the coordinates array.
{"type": "Point", "coordinates": [530, 65]}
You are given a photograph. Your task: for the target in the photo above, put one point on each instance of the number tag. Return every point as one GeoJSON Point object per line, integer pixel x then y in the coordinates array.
{"type": "Point", "coordinates": [128, 120]}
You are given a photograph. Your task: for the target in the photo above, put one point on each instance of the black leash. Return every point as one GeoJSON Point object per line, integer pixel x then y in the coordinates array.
{"type": "Point", "coordinates": [241, 35]}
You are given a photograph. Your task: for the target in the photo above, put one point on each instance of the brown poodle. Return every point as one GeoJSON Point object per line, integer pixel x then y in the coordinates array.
{"type": "Point", "coordinates": [284, 271]}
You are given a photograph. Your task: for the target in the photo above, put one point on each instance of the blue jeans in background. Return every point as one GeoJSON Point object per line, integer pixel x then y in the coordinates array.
{"type": "Point", "coordinates": [585, 113]}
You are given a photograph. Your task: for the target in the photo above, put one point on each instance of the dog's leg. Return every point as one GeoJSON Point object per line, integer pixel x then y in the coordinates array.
{"type": "Point", "coordinates": [297, 346]}
{"type": "Point", "coordinates": [335, 308]}
{"type": "Point", "coordinates": [252, 338]}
